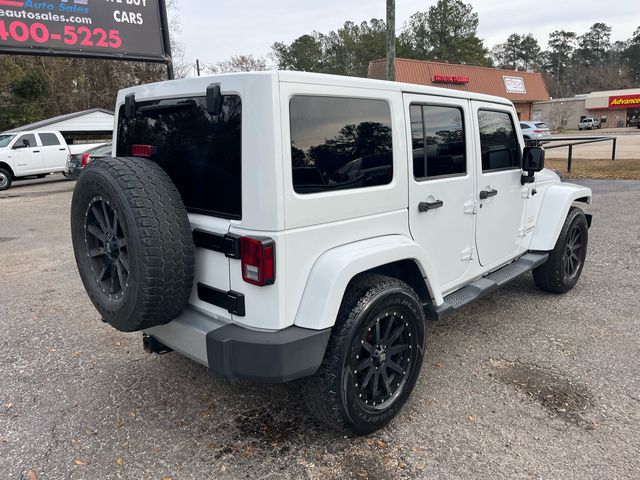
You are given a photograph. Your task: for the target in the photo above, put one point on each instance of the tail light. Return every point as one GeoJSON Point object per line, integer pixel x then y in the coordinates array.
{"type": "Point", "coordinates": [258, 260]}
{"type": "Point", "coordinates": [85, 159]}
{"type": "Point", "coordinates": [142, 150]}
{"type": "Point", "coordinates": [539, 131]}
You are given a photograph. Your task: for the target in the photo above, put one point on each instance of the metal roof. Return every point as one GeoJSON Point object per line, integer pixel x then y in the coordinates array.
{"type": "Point", "coordinates": [487, 80]}
{"type": "Point", "coordinates": [63, 121]}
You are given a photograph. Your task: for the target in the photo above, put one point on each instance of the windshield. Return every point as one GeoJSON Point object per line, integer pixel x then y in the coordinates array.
{"type": "Point", "coordinates": [6, 139]}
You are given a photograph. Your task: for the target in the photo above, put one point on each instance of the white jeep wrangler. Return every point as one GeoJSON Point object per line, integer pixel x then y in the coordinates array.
{"type": "Point", "coordinates": [282, 225]}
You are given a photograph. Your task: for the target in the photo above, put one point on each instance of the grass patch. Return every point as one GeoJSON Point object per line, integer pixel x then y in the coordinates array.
{"type": "Point", "coordinates": [597, 169]}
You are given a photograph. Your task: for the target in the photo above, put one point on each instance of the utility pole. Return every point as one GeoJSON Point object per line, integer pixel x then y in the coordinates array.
{"type": "Point", "coordinates": [198, 66]}
{"type": "Point", "coordinates": [391, 40]}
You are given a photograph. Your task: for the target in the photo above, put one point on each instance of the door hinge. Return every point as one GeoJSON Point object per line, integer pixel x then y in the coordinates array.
{"type": "Point", "coordinates": [470, 207]}
{"type": "Point", "coordinates": [525, 193]}
{"type": "Point", "coordinates": [467, 254]}
{"type": "Point", "coordinates": [522, 232]}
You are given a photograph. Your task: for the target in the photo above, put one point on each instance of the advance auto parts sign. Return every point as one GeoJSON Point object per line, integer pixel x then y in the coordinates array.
{"type": "Point", "coordinates": [624, 101]}
{"type": "Point", "coordinates": [128, 29]}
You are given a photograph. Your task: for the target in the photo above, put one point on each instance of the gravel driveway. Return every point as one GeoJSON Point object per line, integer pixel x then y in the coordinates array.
{"type": "Point", "coordinates": [519, 385]}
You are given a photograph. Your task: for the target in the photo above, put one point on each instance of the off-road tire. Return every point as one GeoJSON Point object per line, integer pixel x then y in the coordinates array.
{"type": "Point", "coordinates": [331, 393]}
{"type": "Point", "coordinates": [152, 237]}
{"type": "Point", "coordinates": [7, 179]}
{"type": "Point", "coordinates": [552, 276]}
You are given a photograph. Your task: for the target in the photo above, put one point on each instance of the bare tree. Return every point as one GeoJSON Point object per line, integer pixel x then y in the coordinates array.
{"type": "Point", "coordinates": [240, 63]}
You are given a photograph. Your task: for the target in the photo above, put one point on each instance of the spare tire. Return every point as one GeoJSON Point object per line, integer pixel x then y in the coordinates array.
{"type": "Point", "coordinates": [132, 242]}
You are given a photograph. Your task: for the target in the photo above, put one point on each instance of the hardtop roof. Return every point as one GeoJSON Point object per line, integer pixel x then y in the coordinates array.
{"type": "Point", "coordinates": [287, 76]}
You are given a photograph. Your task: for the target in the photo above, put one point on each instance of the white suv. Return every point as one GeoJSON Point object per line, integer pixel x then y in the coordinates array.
{"type": "Point", "coordinates": [281, 225]}
{"type": "Point", "coordinates": [31, 154]}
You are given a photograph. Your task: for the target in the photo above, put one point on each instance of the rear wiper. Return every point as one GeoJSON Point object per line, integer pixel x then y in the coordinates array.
{"type": "Point", "coordinates": [150, 110]}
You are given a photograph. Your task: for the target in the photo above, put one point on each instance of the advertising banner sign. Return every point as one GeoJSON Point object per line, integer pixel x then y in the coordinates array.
{"type": "Point", "coordinates": [624, 101]}
{"type": "Point", "coordinates": [119, 29]}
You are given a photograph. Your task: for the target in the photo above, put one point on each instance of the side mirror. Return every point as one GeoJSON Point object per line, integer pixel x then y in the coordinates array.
{"type": "Point", "coordinates": [532, 161]}
{"type": "Point", "coordinates": [214, 99]}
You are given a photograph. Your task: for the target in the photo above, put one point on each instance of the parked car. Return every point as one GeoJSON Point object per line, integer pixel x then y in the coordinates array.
{"type": "Point", "coordinates": [31, 154]}
{"type": "Point", "coordinates": [535, 131]}
{"type": "Point", "coordinates": [276, 226]}
{"type": "Point", "coordinates": [589, 124]}
{"type": "Point", "coordinates": [77, 161]}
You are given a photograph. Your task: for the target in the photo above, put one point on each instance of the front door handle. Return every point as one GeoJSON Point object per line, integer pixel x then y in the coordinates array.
{"type": "Point", "coordinates": [484, 194]}
{"type": "Point", "coordinates": [36, 151]}
{"type": "Point", "coordinates": [426, 206]}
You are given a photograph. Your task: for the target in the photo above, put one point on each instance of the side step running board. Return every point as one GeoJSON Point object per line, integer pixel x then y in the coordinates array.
{"type": "Point", "coordinates": [485, 285]}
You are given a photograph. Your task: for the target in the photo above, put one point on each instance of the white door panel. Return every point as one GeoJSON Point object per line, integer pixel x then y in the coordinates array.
{"type": "Point", "coordinates": [27, 160]}
{"type": "Point", "coordinates": [441, 182]}
{"type": "Point", "coordinates": [54, 152]}
{"type": "Point", "coordinates": [502, 201]}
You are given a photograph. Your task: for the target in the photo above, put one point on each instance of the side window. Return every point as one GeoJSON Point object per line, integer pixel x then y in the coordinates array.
{"type": "Point", "coordinates": [339, 143]}
{"type": "Point", "coordinates": [28, 136]}
{"type": "Point", "coordinates": [498, 141]}
{"type": "Point", "coordinates": [48, 139]}
{"type": "Point", "coordinates": [438, 141]}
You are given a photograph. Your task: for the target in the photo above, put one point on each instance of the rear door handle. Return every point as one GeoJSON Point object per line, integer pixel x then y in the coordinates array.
{"type": "Point", "coordinates": [426, 206]}
{"type": "Point", "coordinates": [62, 149]}
{"type": "Point", "coordinates": [36, 151]}
{"type": "Point", "coordinates": [484, 194]}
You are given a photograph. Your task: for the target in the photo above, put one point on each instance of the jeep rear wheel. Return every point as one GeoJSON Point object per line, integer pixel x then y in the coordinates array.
{"type": "Point", "coordinates": [373, 358]}
{"type": "Point", "coordinates": [561, 271]}
{"type": "Point", "coordinates": [132, 242]}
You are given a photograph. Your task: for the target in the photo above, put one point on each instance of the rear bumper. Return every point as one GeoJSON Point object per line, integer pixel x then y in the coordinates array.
{"type": "Point", "coordinates": [238, 353]}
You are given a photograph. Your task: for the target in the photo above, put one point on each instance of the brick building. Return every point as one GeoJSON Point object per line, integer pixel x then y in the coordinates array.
{"type": "Point", "coordinates": [522, 88]}
{"type": "Point", "coordinates": [614, 109]}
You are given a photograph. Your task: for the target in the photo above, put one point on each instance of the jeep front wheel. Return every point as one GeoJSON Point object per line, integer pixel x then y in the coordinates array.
{"type": "Point", "coordinates": [561, 271]}
{"type": "Point", "coordinates": [373, 358]}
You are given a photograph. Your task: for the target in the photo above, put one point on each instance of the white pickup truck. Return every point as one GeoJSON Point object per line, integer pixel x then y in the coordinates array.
{"type": "Point", "coordinates": [589, 123]}
{"type": "Point", "coordinates": [31, 154]}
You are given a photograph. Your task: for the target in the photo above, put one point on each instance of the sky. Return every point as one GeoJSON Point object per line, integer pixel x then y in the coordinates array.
{"type": "Point", "coordinates": [214, 30]}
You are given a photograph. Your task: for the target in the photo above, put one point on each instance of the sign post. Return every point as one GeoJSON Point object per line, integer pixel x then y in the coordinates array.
{"type": "Point", "coordinates": [135, 30]}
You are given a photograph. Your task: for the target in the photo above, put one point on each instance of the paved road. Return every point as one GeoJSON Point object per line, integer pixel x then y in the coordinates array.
{"type": "Point", "coordinates": [520, 385]}
{"type": "Point", "coordinates": [627, 148]}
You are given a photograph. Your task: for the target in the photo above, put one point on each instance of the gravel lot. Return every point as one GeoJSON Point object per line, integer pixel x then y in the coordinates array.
{"type": "Point", "coordinates": [520, 385]}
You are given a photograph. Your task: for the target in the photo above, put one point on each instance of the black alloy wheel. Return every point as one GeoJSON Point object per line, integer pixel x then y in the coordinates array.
{"type": "Point", "coordinates": [572, 260]}
{"type": "Point", "coordinates": [561, 272]}
{"type": "Point", "coordinates": [382, 359]}
{"type": "Point", "coordinates": [106, 247]}
{"type": "Point", "coordinates": [132, 242]}
{"type": "Point", "coordinates": [373, 358]}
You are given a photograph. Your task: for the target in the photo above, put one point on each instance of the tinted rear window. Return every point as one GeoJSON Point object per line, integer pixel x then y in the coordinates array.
{"type": "Point", "coordinates": [339, 143]}
{"type": "Point", "coordinates": [541, 125]}
{"type": "Point", "coordinates": [200, 152]}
